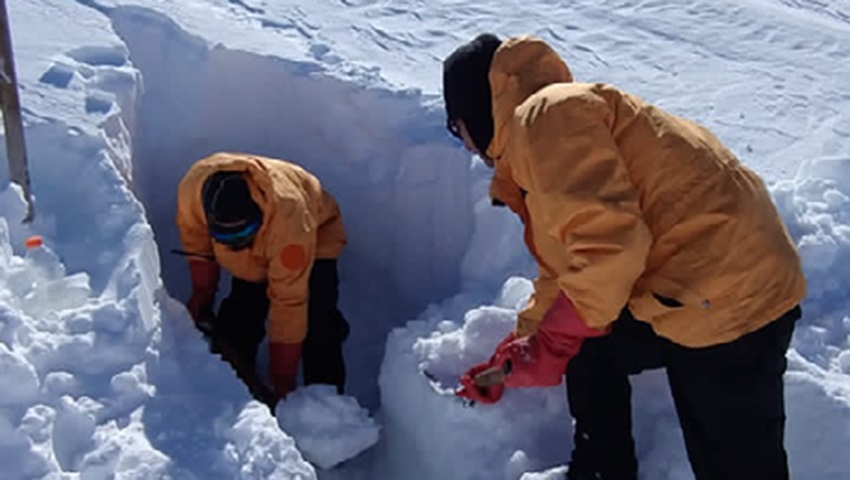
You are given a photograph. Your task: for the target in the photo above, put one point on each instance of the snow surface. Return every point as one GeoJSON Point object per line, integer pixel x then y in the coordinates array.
{"type": "Point", "coordinates": [103, 375]}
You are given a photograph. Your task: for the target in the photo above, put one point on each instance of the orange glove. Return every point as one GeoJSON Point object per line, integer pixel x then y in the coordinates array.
{"type": "Point", "coordinates": [283, 367]}
{"type": "Point", "coordinates": [205, 276]}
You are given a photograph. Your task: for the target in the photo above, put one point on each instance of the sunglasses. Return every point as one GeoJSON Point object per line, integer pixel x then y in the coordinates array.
{"type": "Point", "coordinates": [239, 239]}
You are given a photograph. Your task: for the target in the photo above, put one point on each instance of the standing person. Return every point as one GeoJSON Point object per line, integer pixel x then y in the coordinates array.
{"type": "Point", "coordinates": [272, 226]}
{"type": "Point", "coordinates": [656, 248]}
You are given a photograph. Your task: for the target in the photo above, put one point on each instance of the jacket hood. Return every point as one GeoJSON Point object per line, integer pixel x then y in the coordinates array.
{"type": "Point", "coordinates": [521, 66]}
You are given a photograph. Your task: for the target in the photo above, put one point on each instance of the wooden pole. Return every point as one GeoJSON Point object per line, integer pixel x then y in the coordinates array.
{"type": "Point", "coordinates": [14, 128]}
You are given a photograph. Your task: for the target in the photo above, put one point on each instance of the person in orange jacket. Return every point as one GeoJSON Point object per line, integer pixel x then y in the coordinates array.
{"type": "Point", "coordinates": [272, 226]}
{"type": "Point", "coordinates": [656, 248]}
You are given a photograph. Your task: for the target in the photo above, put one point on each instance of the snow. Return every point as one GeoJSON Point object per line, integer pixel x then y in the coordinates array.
{"type": "Point", "coordinates": [328, 428]}
{"type": "Point", "coordinates": [103, 374]}
{"type": "Point", "coordinates": [259, 449]}
{"type": "Point", "coordinates": [526, 430]}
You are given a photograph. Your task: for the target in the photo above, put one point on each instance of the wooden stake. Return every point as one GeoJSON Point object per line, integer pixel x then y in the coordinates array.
{"type": "Point", "coordinates": [14, 128]}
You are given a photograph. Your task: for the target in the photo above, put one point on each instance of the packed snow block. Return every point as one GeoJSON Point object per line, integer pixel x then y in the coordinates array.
{"type": "Point", "coordinates": [328, 428]}
{"type": "Point", "coordinates": [529, 429]}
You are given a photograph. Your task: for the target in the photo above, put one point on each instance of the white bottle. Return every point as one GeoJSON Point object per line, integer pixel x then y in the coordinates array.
{"type": "Point", "coordinates": [50, 290]}
{"type": "Point", "coordinates": [42, 262]}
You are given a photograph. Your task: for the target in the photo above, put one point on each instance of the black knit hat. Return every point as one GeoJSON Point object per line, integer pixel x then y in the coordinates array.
{"type": "Point", "coordinates": [228, 204]}
{"type": "Point", "coordinates": [466, 88]}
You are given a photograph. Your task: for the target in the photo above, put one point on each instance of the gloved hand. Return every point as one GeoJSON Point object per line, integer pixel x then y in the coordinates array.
{"type": "Point", "coordinates": [541, 359]}
{"type": "Point", "coordinates": [205, 276]}
{"type": "Point", "coordinates": [484, 394]}
{"type": "Point", "coordinates": [537, 360]}
{"type": "Point", "coordinates": [283, 367]}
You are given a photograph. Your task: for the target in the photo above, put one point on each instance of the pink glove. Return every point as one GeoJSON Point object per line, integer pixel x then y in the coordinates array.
{"type": "Point", "coordinates": [470, 390]}
{"type": "Point", "coordinates": [483, 394]}
{"type": "Point", "coordinates": [540, 360]}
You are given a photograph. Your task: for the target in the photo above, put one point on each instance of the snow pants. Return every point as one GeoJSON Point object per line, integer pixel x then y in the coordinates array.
{"type": "Point", "coordinates": [729, 399]}
{"type": "Point", "coordinates": [242, 318]}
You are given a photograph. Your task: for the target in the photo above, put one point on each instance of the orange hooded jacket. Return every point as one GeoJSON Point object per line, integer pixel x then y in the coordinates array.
{"type": "Point", "coordinates": [627, 205]}
{"type": "Point", "coordinates": [301, 222]}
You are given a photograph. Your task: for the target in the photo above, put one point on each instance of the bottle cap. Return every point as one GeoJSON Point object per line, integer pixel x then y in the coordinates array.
{"type": "Point", "coordinates": [34, 241]}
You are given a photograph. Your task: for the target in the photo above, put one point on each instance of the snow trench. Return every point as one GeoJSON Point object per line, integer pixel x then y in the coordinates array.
{"type": "Point", "coordinates": [123, 384]}
{"type": "Point", "coordinates": [402, 185]}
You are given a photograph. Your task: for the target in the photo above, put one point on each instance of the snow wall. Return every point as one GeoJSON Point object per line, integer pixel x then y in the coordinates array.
{"type": "Point", "coordinates": [402, 186]}
{"type": "Point", "coordinates": [413, 208]}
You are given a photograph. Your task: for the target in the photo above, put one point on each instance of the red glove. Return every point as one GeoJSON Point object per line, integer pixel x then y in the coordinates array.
{"type": "Point", "coordinates": [283, 367]}
{"type": "Point", "coordinates": [472, 391]}
{"type": "Point", "coordinates": [534, 361]}
{"type": "Point", "coordinates": [205, 277]}
{"type": "Point", "coordinates": [540, 360]}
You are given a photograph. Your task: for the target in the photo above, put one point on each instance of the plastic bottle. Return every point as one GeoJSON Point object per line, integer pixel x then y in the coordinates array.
{"type": "Point", "coordinates": [44, 265]}
{"type": "Point", "coordinates": [50, 290]}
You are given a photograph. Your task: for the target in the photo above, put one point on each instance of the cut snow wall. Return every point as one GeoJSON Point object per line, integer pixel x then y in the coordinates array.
{"type": "Point", "coordinates": [81, 363]}
{"type": "Point", "coordinates": [403, 186]}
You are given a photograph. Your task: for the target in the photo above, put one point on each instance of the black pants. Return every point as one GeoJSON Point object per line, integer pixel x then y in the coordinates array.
{"type": "Point", "coordinates": [242, 316]}
{"type": "Point", "coordinates": [729, 399]}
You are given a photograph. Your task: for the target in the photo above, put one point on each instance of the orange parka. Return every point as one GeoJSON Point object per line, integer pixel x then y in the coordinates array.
{"type": "Point", "coordinates": [301, 222]}
{"type": "Point", "coordinates": [626, 205]}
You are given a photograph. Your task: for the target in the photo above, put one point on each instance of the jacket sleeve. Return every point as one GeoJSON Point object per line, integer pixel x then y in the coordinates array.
{"type": "Point", "coordinates": [504, 189]}
{"type": "Point", "coordinates": [291, 253]}
{"type": "Point", "coordinates": [545, 291]}
{"type": "Point", "coordinates": [545, 285]}
{"type": "Point", "coordinates": [331, 236]}
{"type": "Point", "coordinates": [587, 202]}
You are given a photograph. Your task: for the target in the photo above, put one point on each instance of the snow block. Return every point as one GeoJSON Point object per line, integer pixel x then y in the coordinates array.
{"type": "Point", "coordinates": [328, 428]}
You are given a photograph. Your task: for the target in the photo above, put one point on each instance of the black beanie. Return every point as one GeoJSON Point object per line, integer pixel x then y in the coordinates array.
{"type": "Point", "coordinates": [466, 88]}
{"type": "Point", "coordinates": [228, 204]}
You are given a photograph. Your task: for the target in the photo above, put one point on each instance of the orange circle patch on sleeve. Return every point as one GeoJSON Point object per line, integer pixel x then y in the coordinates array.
{"type": "Point", "coordinates": [293, 257]}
